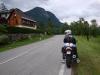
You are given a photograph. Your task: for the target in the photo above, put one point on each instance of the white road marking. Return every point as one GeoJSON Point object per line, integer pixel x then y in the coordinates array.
{"type": "Point", "coordinates": [14, 57]}
{"type": "Point", "coordinates": [61, 72]}
{"type": "Point", "coordinates": [68, 71]}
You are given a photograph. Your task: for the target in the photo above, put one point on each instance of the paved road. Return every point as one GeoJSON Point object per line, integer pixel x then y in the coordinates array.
{"type": "Point", "coordinates": [41, 58]}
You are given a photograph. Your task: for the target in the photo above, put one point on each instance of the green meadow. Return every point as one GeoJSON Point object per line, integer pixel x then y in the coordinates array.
{"type": "Point", "coordinates": [89, 54]}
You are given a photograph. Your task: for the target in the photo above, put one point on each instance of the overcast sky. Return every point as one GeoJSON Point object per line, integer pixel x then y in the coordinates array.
{"type": "Point", "coordinates": [65, 10]}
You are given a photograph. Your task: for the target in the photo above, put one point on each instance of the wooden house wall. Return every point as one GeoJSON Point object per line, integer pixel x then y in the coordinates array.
{"type": "Point", "coordinates": [15, 19]}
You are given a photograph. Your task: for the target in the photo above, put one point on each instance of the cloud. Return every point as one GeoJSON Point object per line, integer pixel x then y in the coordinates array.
{"type": "Point", "coordinates": [23, 4]}
{"type": "Point", "coordinates": [65, 10]}
{"type": "Point", "coordinates": [69, 10]}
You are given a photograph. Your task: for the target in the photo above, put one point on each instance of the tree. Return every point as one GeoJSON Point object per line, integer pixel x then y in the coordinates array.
{"type": "Point", "coordinates": [80, 27]}
{"type": "Point", "coordinates": [64, 27]}
{"type": "Point", "coordinates": [50, 28]}
{"type": "Point", "coordinates": [73, 27]}
{"type": "Point", "coordinates": [42, 26]}
{"type": "Point", "coordinates": [93, 28]}
{"type": "Point", "coordinates": [86, 29]}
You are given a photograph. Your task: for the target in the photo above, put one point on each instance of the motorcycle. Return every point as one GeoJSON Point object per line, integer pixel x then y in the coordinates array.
{"type": "Point", "coordinates": [70, 57]}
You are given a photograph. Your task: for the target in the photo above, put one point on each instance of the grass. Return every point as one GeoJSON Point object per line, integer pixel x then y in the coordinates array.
{"type": "Point", "coordinates": [34, 38]}
{"type": "Point", "coordinates": [89, 54]}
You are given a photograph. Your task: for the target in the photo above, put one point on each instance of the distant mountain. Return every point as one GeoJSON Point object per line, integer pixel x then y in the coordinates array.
{"type": "Point", "coordinates": [42, 16]}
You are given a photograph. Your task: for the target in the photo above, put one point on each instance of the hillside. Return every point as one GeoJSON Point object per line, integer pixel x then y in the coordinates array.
{"type": "Point", "coordinates": [42, 16]}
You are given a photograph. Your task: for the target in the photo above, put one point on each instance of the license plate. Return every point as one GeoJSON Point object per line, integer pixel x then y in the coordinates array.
{"type": "Point", "coordinates": [68, 52]}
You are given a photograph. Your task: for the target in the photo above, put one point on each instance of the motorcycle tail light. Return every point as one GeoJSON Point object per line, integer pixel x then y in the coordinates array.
{"type": "Point", "coordinates": [68, 52]}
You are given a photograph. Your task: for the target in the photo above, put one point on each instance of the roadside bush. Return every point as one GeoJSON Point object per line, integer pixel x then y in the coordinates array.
{"type": "Point", "coordinates": [4, 39]}
{"type": "Point", "coordinates": [3, 28]}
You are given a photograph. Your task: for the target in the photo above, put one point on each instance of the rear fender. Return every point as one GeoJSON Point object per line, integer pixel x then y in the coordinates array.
{"type": "Point", "coordinates": [68, 58]}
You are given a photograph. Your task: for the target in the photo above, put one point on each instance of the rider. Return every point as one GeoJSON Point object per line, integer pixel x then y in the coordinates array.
{"type": "Point", "coordinates": [70, 39]}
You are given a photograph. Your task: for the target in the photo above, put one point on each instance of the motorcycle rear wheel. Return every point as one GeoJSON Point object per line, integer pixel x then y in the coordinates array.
{"type": "Point", "coordinates": [68, 65]}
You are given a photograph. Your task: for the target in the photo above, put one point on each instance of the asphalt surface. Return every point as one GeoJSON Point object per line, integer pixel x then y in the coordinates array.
{"type": "Point", "coordinates": [41, 58]}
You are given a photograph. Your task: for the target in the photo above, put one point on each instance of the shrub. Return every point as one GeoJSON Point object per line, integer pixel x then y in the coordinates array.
{"type": "Point", "coordinates": [3, 28]}
{"type": "Point", "coordinates": [4, 39]}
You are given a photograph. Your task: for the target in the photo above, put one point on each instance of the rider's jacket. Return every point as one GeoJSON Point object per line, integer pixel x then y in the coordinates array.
{"type": "Point", "coordinates": [69, 39]}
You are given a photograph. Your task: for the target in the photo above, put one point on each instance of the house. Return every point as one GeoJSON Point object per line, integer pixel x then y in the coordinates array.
{"type": "Point", "coordinates": [17, 18]}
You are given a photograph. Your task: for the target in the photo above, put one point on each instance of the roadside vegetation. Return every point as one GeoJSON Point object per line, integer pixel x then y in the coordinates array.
{"type": "Point", "coordinates": [89, 54]}
{"type": "Point", "coordinates": [88, 37]}
{"type": "Point", "coordinates": [23, 42]}
{"type": "Point", "coordinates": [83, 28]}
{"type": "Point", "coordinates": [7, 43]}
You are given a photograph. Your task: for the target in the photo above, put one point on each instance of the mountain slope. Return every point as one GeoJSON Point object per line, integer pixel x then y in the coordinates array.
{"type": "Point", "coordinates": [42, 16]}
